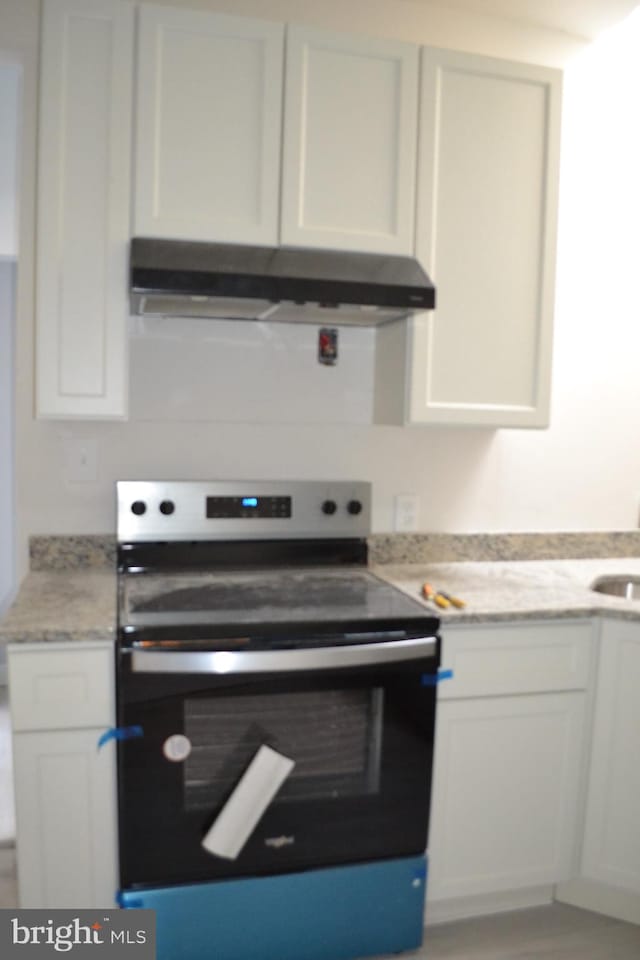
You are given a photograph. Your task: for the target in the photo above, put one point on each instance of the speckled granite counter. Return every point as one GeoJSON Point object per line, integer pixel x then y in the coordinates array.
{"type": "Point", "coordinates": [79, 604]}
{"type": "Point", "coordinates": [540, 589]}
{"type": "Point", "coordinates": [63, 606]}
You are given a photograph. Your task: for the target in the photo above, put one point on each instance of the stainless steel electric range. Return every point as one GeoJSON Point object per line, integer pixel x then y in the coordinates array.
{"type": "Point", "coordinates": [276, 710]}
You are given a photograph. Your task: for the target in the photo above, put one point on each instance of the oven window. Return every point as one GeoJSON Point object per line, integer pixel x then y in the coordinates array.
{"type": "Point", "coordinates": [334, 737]}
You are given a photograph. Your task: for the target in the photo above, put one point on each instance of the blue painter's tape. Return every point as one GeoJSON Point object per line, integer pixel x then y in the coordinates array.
{"type": "Point", "coordinates": [128, 901]}
{"type": "Point", "coordinates": [120, 733]}
{"type": "Point", "coordinates": [432, 679]}
{"type": "Point", "coordinates": [421, 872]}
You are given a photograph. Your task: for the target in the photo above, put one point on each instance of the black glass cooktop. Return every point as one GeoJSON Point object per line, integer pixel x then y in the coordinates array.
{"type": "Point", "coordinates": [324, 600]}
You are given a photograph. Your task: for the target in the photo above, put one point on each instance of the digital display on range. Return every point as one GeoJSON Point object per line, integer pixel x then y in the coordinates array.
{"type": "Point", "coordinates": [231, 508]}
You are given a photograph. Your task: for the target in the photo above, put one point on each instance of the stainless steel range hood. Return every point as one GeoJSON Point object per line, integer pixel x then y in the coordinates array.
{"type": "Point", "coordinates": [227, 281]}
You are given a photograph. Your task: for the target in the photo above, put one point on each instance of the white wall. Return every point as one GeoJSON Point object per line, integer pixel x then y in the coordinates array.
{"type": "Point", "coordinates": [9, 88]}
{"type": "Point", "coordinates": [7, 301]}
{"type": "Point", "coordinates": [9, 113]}
{"type": "Point", "coordinates": [583, 473]}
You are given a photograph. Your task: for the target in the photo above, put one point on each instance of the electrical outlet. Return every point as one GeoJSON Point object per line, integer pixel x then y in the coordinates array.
{"type": "Point", "coordinates": [406, 511]}
{"type": "Point", "coordinates": [81, 460]}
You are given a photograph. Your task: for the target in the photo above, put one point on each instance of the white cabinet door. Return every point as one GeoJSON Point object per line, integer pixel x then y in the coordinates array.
{"type": "Point", "coordinates": [349, 142]}
{"type": "Point", "coordinates": [62, 700]}
{"type": "Point", "coordinates": [65, 791]}
{"type": "Point", "coordinates": [208, 126]}
{"type": "Point", "coordinates": [506, 788]}
{"type": "Point", "coordinates": [86, 88]}
{"type": "Point", "coordinates": [611, 851]}
{"type": "Point", "coordinates": [486, 234]}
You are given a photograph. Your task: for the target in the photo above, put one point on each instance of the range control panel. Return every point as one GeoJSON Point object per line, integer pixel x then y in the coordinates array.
{"type": "Point", "coordinates": [226, 508]}
{"type": "Point", "coordinates": [241, 509]}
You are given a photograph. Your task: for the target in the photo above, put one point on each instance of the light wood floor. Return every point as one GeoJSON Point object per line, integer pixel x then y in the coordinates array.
{"type": "Point", "coordinates": [556, 932]}
{"type": "Point", "coordinates": [8, 882]}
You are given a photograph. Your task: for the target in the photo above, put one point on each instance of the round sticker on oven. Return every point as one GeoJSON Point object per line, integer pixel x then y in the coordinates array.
{"type": "Point", "coordinates": [177, 747]}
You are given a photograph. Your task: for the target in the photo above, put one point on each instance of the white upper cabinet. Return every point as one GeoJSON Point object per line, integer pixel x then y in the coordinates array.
{"type": "Point", "coordinates": [86, 88]}
{"type": "Point", "coordinates": [337, 142]}
{"type": "Point", "coordinates": [486, 234]}
{"type": "Point", "coordinates": [208, 128]}
{"type": "Point", "coordinates": [489, 148]}
{"type": "Point", "coordinates": [349, 146]}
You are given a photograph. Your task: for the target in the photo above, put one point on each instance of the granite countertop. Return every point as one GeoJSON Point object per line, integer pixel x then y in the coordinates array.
{"type": "Point", "coordinates": [63, 606]}
{"type": "Point", "coordinates": [519, 590]}
{"type": "Point", "coordinates": [80, 605]}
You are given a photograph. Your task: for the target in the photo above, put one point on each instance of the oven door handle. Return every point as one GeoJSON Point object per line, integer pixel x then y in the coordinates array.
{"type": "Point", "coordinates": [283, 661]}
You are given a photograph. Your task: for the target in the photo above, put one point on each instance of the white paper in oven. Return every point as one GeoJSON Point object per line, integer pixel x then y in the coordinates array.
{"type": "Point", "coordinates": [254, 792]}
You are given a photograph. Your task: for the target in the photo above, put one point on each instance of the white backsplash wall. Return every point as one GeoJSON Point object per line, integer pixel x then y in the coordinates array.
{"type": "Point", "coordinates": [257, 404]}
{"type": "Point", "coordinates": [239, 372]}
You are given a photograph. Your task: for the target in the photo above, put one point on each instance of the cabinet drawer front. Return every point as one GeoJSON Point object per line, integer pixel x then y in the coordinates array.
{"type": "Point", "coordinates": [516, 658]}
{"type": "Point", "coordinates": [61, 689]}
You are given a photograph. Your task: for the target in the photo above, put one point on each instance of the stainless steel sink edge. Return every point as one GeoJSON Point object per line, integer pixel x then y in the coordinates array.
{"type": "Point", "coordinates": [623, 586]}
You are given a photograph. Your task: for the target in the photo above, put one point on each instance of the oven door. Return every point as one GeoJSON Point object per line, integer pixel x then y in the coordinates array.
{"type": "Point", "coordinates": [351, 726]}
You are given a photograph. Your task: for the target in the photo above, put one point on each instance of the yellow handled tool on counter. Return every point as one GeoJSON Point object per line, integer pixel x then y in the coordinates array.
{"type": "Point", "coordinates": [440, 598]}
{"type": "Point", "coordinates": [454, 601]}
{"type": "Point", "coordinates": [429, 593]}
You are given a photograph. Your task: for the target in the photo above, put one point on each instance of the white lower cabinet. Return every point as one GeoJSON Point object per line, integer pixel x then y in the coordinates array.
{"type": "Point", "coordinates": [65, 819]}
{"type": "Point", "coordinates": [507, 775]}
{"type": "Point", "coordinates": [65, 787]}
{"type": "Point", "coordinates": [609, 878]}
{"type": "Point", "coordinates": [612, 830]}
{"type": "Point", "coordinates": [509, 763]}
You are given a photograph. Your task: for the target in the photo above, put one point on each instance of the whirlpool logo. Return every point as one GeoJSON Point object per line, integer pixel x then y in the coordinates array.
{"type": "Point", "coordinates": [277, 843]}
{"type": "Point", "coordinates": [39, 933]}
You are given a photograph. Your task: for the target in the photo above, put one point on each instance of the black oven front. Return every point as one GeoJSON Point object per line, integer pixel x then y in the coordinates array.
{"type": "Point", "coordinates": [354, 718]}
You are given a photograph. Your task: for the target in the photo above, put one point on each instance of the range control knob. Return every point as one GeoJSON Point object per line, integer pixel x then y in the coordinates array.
{"type": "Point", "coordinates": [138, 507]}
{"type": "Point", "coordinates": [329, 507]}
{"type": "Point", "coordinates": [354, 507]}
{"type": "Point", "coordinates": [167, 507]}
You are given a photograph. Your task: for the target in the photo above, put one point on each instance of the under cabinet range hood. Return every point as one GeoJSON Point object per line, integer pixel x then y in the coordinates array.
{"type": "Point", "coordinates": [182, 278]}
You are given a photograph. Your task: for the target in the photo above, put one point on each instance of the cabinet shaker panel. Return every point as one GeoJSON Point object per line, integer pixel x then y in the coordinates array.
{"type": "Point", "coordinates": [62, 699]}
{"type": "Point", "coordinates": [506, 790]}
{"type": "Point", "coordinates": [611, 853]}
{"type": "Point", "coordinates": [86, 88]}
{"type": "Point", "coordinates": [349, 142]}
{"type": "Point", "coordinates": [66, 819]}
{"type": "Point", "coordinates": [208, 126]}
{"type": "Point", "coordinates": [486, 234]}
